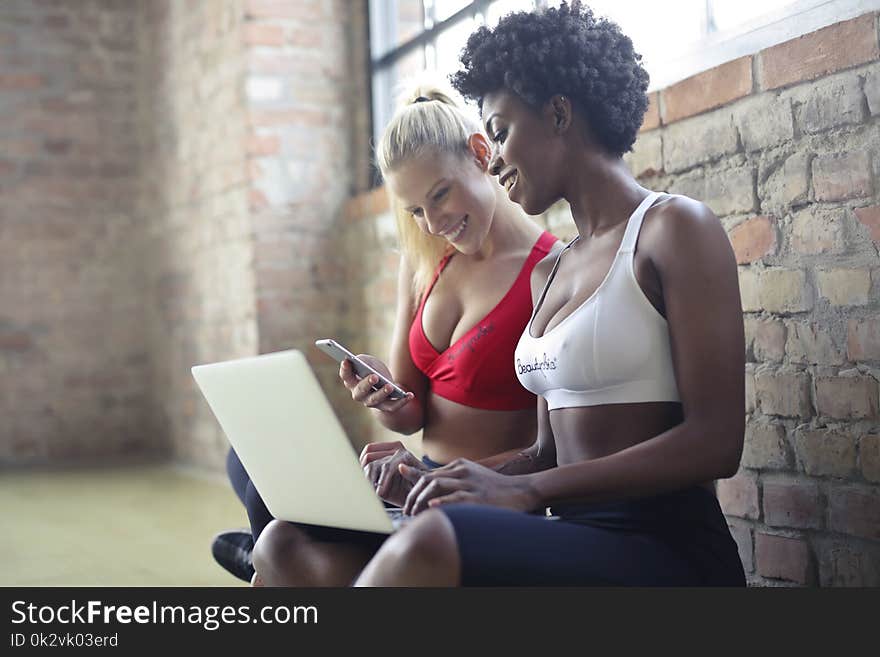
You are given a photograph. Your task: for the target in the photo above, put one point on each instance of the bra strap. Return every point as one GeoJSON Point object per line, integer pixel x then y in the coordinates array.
{"type": "Point", "coordinates": [634, 225]}
{"type": "Point", "coordinates": [550, 280]}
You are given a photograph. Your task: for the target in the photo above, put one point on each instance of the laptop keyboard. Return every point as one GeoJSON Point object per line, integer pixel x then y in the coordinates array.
{"type": "Point", "coordinates": [397, 516]}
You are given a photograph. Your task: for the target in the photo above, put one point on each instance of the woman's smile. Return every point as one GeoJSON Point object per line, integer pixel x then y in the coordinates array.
{"type": "Point", "coordinates": [457, 230]}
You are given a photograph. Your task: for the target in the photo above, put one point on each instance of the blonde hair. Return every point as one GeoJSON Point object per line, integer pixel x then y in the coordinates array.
{"type": "Point", "coordinates": [427, 120]}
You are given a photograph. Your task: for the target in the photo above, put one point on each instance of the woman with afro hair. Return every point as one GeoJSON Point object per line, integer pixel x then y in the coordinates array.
{"type": "Point", "coordinates": [635, 345]}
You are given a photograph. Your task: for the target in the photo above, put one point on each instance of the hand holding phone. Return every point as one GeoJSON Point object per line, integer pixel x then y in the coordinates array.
{"type": "Point", "coordinates": [360, 367]}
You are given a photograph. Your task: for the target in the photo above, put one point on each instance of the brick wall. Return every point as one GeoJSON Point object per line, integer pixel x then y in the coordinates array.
{"type": "Point", "coordinates": [784, 146]}
{"type": "Point", "coordinates": [171, 178]}
{"type": "Point", "coordinates": [256, 132]}
{"type": "Point", "coordinates": [308, 152]}
{"type": "Point", "coordinates": [174, 181]}
{"type": "Point", "coordinates": [257, 124]}
{"type": "Point", "coordinates": [73, 358]}
{"type": "Point", "coordinates": [194, 227]}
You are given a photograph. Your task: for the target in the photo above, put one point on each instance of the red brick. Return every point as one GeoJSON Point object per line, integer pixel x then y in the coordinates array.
{"type": "Point", "coordinates": [816, 54]}
{"type": "Point", "coordinates": [751, 389]}
{"type": "Point", "coordinates": [290, 117]}
{"type": "Point", "coordinates": [842, 176]}
{"type": "Point", "coordinates": [15, 341]}
{"type": "Point", "coordinates": [305, 38]}
{"type": "Point", "coordinates": [257, 200]}
{"type": "Point", "coordinates": [779, 557]}
{"type": "Point", "coordinates": [57, 146]}
{"type": "Point", "coordinates": [20, 81]}
{"type": "Point", "coordinates": [792, 505]}
{"type": "Point", "coordinates": [847, 397]}
{"type": "Point", "coordinates": [302, 64]}
{"type": "Point", "coordinates": [870, 218]}
{"type": "Point", "coordinates": [263, 34]}
{"type": "Point", "coordinates": [784, 393]}
{"type": "Point", "coordinates": [272, 253]}
{"type": "Point", "coordinates": [767, 337]}
{"type": "Point", "coordinates": [815, 231]}
{"type": "Point", "coordinates": [652, 115]}
{"type": "Point", "coordinates": [20, 148]}
{"type": "Point", "coordinates": [855, 512]}
{"type": "Point", "coordinates": [869, 457]}
{"type": "Point", "coordinates": [812, 344]}
{"type": "Point", "coordinates": [377, 201]}
{"type": "Point", "coordinates": [863, 339]}
{"type": "Point", "coordinates": [844, 287]}
{"type": "Point", "coordinates": [738, 496]}
{"type": "Point", "coordinates": [304, 10]}
{"type": "Point", "coordinates": [831, 103]}
{"type": "Point", "coordinates": [785, 290]}
{"type": "Point", "coordinates": [765, 447]}
{"type": "Point", "coordinates": [56, 22]}
{"type": "Point", "coordinates": [753, 239]}
{"type": "Point", "coordinates": [826, 452]}
{"type": "Point", "coordinates": [354, 208]}
{"type": "Point", "coordinates": [263, 145]}
{"type": "Point", "coordinates": [850, 564]}
{"type": "Point", "coordinates": [707, 90]}
{"type": "Point", "coordinates": [367, 205]}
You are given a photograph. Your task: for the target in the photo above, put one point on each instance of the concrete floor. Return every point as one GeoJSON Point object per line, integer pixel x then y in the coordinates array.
{"type": "Point", "coordinates": [148, 525]}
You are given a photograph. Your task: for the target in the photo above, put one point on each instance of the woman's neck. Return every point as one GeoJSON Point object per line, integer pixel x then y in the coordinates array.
{"type": "Point", "coordinates": [602, 194]}
{"type": "Point", "coordinates": [511, 228]}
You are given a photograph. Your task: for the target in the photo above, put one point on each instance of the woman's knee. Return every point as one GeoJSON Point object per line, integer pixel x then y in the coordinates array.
{"type": "Point", "coordinates": [429, 537]}
{"type": "Point", "coordinates": [423, 553]}
{"type": "Point", "coordinates": [278, 542]}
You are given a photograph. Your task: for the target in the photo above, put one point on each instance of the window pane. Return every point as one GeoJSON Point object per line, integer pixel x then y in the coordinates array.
{"type": "Point", "coordinates": [394, 22]}
{"type": "Point", "coordinates": [388, 85]}
{"type": "Point", "coordinates": [409, 65]}
{"type": "Point", "coordinates": [443, 9]}
{"type": "Point", "coordinates": [729, 14]}
{"type": "Point", "coordinates": [659, 31]}
{"type": "Point", "coordinates": [501, 7]}
{"type": "Point", "coordinates": [449, 44]}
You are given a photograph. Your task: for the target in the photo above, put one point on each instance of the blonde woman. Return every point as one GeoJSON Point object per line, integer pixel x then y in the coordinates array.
{"type": "Point", "coordinates": [464, 297]}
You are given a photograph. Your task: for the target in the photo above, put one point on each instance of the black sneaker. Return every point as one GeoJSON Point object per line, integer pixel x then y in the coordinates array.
{"type": "Point", "coordinates": [233, 550]}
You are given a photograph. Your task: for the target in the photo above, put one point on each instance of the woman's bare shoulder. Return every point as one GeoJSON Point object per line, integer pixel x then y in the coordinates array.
{"type": "Point", "coordinates": [678, 225]}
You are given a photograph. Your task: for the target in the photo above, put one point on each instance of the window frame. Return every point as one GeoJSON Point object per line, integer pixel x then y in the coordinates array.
{"type": "Point", "coordinates": [714, 49]}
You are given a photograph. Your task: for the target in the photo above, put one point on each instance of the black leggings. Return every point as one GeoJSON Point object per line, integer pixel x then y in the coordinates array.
{"type": "Point", "coordinates": [675, 539]}
{"type": "Point", "coordinates": [258, 514]}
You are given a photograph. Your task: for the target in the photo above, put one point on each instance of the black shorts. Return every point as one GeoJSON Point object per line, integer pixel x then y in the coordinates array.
{"type": "Point", "coordinates": [675, 539]}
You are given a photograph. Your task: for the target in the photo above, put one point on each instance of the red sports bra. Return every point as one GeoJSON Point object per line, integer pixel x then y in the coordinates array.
{"type": "Point", "coordinates": [477, 370]}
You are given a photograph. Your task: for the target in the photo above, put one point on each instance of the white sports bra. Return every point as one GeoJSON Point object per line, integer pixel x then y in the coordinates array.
{"type": "Point", "coordinates": [613, 349]}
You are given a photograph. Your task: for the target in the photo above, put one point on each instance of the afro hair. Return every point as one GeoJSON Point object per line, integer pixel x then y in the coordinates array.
{"type": "Point", "coordinates": [564, 50]}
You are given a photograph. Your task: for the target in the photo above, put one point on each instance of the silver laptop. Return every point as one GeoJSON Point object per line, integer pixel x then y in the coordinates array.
{"type": "Point", "coordinates": [274, 413]}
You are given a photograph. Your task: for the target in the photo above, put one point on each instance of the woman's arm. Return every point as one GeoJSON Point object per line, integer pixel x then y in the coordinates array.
{"type": "Point", "coordinates": [694, 260]}
{"type": "Point", "coordinates": [409, 418]}
{"type": "Point", "coordinates": [540, 456]}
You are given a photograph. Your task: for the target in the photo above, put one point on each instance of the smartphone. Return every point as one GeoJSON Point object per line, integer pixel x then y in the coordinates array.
{"type": "Point", "coordinates": [339, 353]}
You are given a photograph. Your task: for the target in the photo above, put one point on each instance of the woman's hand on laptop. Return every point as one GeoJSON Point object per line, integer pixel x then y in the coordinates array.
{"type": "Point", "coordinates": [362, 389]}
{"type": "Point", "coordinates": [466, 482]}
{"type": "Point", "coordinates": [380, 462]}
